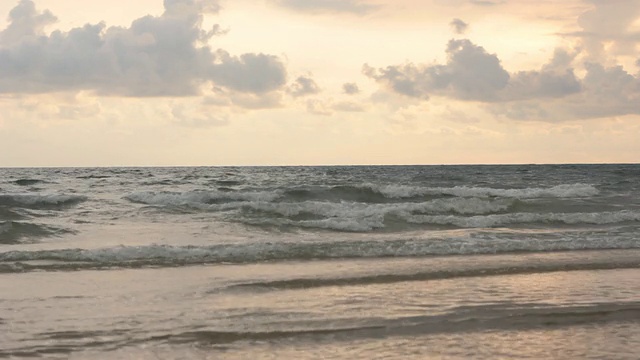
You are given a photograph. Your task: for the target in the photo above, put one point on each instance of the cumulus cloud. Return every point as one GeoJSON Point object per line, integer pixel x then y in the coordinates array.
{"type": "Point", "coordinates": [610, 25]}
{"type": "Point", "coordinates": [358, 7]}
{"type": "Point", "coordinates": [471, 73]}
{"type": "Point", "coordinates": [252, 73]}
{"type": "Point", "coordinates": [458, 26]}
{"type": "Point", "coordinates": [555, 79]}
{"type": "Point", "coordinates": [26, 22]}
{"type": "Point", "coordinates": [352, 88]}
{"type": "Point", "coordinates": [302, 86]}
{"type": "Point", "coordinates": [604, 92]}
{"type": "Point", "coordinates": [164, 55]}
{"type": "Point", "coordinates": [551, 93]}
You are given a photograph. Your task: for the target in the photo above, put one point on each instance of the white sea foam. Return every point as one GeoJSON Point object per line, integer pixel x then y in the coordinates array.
{"type": "Point", "coordinates": [353, 224]}
{"type": "Point", "coordinates": [355, 209]}
{"type": "Point", "coordinates": [493, 220]}
{"type": "Point", "coordinates": [559, 191]}
{"type": "Point", "coordinates": [198, 199]}
{"type": "Point", "coordinates": [353, 216]}
{"type": "Point", "coordinates": [164, 255]}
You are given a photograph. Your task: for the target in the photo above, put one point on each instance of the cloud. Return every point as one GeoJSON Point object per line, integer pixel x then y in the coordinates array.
{"type": "Point", "coordinates": [611, 91]}
{"type": "Point", "coordinates": [252, 73]}
{"type": "Point", "coordinates": [471, 73]}
{"type": "Point", "coordinates": [347, 106]}
{"type": "Point", "coordinates": [551, 93]}
{"type": "Point", "coordinates": [164, 55]}
{"type": "Point", "coordinates": [257, 101]}
{"type": "Point", "coordinates": [25, 21]}
{"type": "Point", "coordinates": [304, 85]}
{"type": "Point", "coordinates": [486, 2]}
{"type": "Point", "coordinates": [459, 26]}
{"type": "Point", "coordinates": [608, 28]}
{"type": "Point", "coordinates": [352, 88]}
{"type": "Point", "coordinates": [605, 92]}
{"type": "Point", "coordinates": [318, 107]}
{"type": "Point", "coordinates": [555, 79]}
{"type": "Point", "coordinates": [328, 6]}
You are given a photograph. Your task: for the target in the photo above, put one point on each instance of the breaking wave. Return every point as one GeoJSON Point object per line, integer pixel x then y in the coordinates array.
{"type": "Point", "coordinates": [361, 193]}
{"type": "Point", "coordinates": [559, 191]}
{"type": "Point", "coordinates": [368, 207]}
{"type": "Point", "coordinates": [197, 199]}
{"type": "Point", "coordinates": [529, 218]}
{"type": "Point", "coordinates": [171, 256]}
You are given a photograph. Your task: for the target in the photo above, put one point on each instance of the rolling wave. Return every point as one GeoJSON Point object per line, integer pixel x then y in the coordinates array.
{"type": "Point", "coordinates": [559, 191]}
{"type": "Point", "coordinates": [15, 232]}
{"type": "Point", "coordinates": [172, 256]}
{"type": "Point", "coordinates": [367, 207]}
{"type": "Point", "coordinates": [368, 218]}
{"type": "Point", "coordinates": [36, 201]}
{"type": "Point", "coordinates": [197, 199]}
{"type": "Point", "coordinates": [360, 193]}
{"type": "Point", "coordinates": [6, 214]}
{"type": "Point", "coordinates": [28, 182]}
{"type": "Point", "coordinates": [495, 220]}
{"type": "Point", "coordinates": [369, 279]}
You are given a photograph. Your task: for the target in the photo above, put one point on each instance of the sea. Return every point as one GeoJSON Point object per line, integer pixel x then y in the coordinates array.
{"type": "Point", "coordinates": [328, 262]}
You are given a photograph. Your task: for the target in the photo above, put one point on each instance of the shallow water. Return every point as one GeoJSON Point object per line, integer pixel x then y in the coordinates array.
{"type": "Point", "coordinates": [335, 309]}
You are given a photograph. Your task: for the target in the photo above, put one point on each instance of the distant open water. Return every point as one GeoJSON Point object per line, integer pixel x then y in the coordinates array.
{"type": "Point", "coordinates": [285, 230]}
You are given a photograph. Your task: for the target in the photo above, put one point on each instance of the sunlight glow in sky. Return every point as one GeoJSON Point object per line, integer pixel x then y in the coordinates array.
{"type": "Point", "coordinates": [305, 82]}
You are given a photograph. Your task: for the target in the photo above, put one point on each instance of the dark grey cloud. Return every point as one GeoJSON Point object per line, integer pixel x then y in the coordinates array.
{"type": "Point", "coordinates": [350, 88]}
{"type": "Point", "coordinates": [164, 55]}
{"type": "Point", "coordinates": [304, 85]}
{"type": "Point", "coordinates": [459, 26]}
{"type": "Point", "coordinates": [328, 6]}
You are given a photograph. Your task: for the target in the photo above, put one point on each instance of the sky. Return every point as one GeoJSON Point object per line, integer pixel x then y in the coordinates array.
{"type": "Point", "coordinates": [318, 82]}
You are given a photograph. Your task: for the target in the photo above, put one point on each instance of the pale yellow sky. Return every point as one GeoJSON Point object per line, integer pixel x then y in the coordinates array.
{"type": "Point", "coordinates": [525, 82]}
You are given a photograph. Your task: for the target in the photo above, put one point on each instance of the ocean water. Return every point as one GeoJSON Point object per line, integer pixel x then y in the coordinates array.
{"type": "Point", "coordinates": [442, 262]}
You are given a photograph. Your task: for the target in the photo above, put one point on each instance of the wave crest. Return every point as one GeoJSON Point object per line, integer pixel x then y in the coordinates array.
{"type": "Point", "coordinates": [15, 232]}
{"type": "Point", "coordinates": [171, 256]}
{"type": "Point", "coordinates": [40, 200]}
{"type": "Point", "coordinates": [559, 191]}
